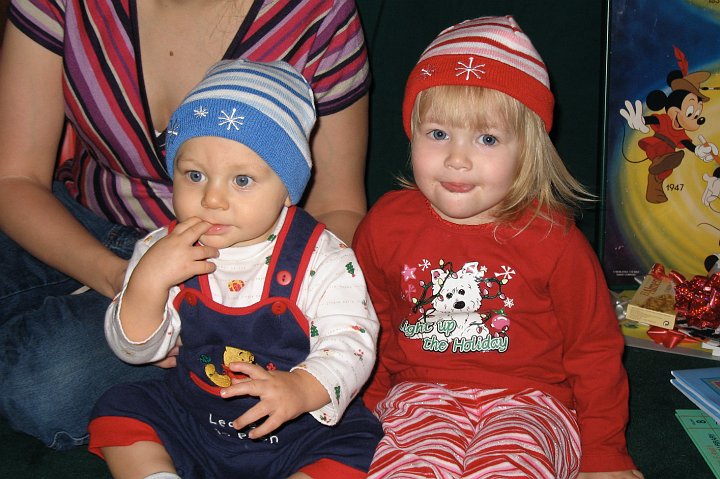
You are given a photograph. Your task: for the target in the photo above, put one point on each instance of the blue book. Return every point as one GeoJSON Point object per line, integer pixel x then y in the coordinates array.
{"type": "Point", "coordinates": [702, 387]}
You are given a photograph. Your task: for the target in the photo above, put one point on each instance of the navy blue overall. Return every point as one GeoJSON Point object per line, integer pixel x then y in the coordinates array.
{"type": "Point", "coordinates": [186, 410]}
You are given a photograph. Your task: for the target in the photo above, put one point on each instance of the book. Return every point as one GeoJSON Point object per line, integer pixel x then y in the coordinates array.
{"type": "Point", "coordinates": [702, 387]}
{"type": "Point", "coordinates": [704, 433]}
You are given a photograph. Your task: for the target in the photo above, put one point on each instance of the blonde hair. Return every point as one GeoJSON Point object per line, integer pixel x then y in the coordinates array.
{"type": "Point", "coordinates": [542, 181]}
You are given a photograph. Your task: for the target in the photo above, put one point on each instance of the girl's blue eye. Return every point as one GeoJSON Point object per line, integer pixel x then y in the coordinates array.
{"type": "Point", "coordinates": [243, 181]}
{"type": "Point", "coordinates": [488, 140]}
{"type": "Point", "coordinates": [438, 135]}
{"type": "Point", "coordinates": [194, 176]}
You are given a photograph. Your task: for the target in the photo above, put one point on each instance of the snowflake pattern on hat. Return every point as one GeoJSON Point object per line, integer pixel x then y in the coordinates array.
{"type": "Point", "coordinates": [268, 107]}
{"type": "Point", "coordinates": [487, 52]}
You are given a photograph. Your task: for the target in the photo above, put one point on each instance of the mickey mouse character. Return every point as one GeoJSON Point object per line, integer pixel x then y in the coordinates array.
{"type": "Point", "coordinates": [682, 110]}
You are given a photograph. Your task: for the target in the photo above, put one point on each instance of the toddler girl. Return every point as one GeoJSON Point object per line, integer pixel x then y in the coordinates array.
{"type": "Point", "coordinates": [500, 354]}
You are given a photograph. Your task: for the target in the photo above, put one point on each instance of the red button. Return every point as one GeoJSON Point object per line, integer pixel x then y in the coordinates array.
{"type": "Point", "coordinates": [191, 299]}
{"type": "Point", "coordinates": [278, 308]}
{"type": "Point", "coordinates": [283, 277]}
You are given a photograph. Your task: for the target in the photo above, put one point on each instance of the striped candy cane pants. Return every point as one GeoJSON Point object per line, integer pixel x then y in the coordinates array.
{"type": "Point", "coordinates": [434, 431]}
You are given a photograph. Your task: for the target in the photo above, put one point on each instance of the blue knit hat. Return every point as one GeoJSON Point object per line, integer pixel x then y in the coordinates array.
{"type": "Point", "coordinates": [267, 107]}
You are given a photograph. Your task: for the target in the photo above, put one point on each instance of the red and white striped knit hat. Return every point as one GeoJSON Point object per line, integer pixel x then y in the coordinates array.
{"type": "Point", "coordinates": [488, 52]}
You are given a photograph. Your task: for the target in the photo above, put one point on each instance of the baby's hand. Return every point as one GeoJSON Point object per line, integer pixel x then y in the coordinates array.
{"type": "Point", "coordinates": [283, 396]}
{"type": "Point", "coordinates": [632, 474]}
{"type": "Point", "coordinates": [176, 257]}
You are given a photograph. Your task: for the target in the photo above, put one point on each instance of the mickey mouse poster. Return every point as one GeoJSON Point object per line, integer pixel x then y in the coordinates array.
{"type": "Point", "coordinates": [662, 178]}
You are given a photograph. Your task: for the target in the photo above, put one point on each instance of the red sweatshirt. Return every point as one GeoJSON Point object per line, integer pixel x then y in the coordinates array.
{"type": "Point", "coordinates": [486, 308]}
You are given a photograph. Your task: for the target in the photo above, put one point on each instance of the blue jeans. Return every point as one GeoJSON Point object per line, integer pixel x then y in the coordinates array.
{"type": "Point", "coordinates": [54, 361]}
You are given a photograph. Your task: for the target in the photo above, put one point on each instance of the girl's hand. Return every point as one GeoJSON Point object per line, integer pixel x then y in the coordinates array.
{"type": "Point", "coordinates": [632, 474]}
{"type": "Point", "coordinates": [283, 396]}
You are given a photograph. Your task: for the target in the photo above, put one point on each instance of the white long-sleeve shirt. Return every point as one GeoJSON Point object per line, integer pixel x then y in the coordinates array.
{"type": "Point", "coordinates": [333, 297]}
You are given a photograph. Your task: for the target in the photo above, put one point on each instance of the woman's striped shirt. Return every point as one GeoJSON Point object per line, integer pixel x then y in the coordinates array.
{"type": "Point", "coordinates": [118, 170]}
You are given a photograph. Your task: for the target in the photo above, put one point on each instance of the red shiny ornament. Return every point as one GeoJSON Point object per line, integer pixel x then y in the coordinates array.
{"type": "Point", "coordinates": [698, 301]}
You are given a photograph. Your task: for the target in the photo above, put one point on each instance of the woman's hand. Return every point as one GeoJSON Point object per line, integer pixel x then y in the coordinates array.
{"type": "Point", "coordinates": [114, 271]}
{"type": "Point", "coordinates": [170, 360]}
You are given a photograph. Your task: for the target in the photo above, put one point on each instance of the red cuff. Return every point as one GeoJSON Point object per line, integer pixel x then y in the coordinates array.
{"type": "Point", "coordinates": [107, 431]}
{"type": "Point", "coordinates": [331, 469]}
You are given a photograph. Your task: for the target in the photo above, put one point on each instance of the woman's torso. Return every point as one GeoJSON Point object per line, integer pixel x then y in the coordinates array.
{"type": "Point", "coordinates": [128, 64]}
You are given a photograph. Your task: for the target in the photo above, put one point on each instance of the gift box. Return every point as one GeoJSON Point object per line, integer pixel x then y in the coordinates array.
{"type": "Point", "coordinates": [653, 303]}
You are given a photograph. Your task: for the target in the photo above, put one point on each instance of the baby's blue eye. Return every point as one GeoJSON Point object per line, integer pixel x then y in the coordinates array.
{"type": "Point", "coordinates": [488, 140]}
{"type": "Point", "coordinates": [194, 176]}
{"type": "Point", "coordinates": [243, 181]}
{"type": "Point", "coordinates": [438, 135]}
